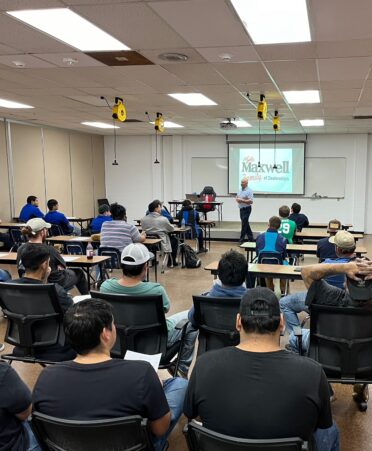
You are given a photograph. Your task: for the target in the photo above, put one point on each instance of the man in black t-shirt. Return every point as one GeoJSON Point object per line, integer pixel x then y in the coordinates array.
{"type": "Point", "coordinates": [325, 247]}
{"type": "Point", "coordinates": [256, 390]}
{"type": "Point", "coordinates": [300, 219]}
{"type": "Point", "coordinates": [15, 408]}
{"type": "Point", "coordinates": [94, 386]}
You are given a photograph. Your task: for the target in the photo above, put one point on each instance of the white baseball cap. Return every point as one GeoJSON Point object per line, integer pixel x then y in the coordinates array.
{"type": "Point", "coordinates": [135, 254]}
{"type": "Point", "coordinates": [37, 224]}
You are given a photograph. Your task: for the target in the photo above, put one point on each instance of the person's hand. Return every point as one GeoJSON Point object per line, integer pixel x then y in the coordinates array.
{"type": "Point", "coordinates": [143, 234]}
{"type": "Point", "coordinates": [364, 268]}
{"type": "Point", "coordinates": [238, 200]}
{"type": "Point", "coordinates": [353, 270]}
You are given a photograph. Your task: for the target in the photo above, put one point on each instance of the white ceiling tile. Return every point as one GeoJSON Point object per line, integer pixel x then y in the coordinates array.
{"type": "Point", "coordinates": [57, 59]}
{"type": "Point", "coordinates": [153, 55]}
{"type": "Point", "coordinates": [293, 71]}
{"type": "Point", "coordinates": [12, 5]}
{"type": "Point", "coordinates": [344, 49]}
{"type": "Point", "coordinates": [207, 23]}
{"type": "Point", "coordinates": [340, 95]}
{"type": "Point", "coordinates": [243, 72]}
{"type": "Point", "coordinates": [344, 68]}
{"type": "Point", "coordinates": [29, 61]}
{"type": "Point", "coordinates": [193, 73]}
{"type": "Point", "coordinates": [241, 54]}
{"type": "Point", "coordinates": [278, 52]}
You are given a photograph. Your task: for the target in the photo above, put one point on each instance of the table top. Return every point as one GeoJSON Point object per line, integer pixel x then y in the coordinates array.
{"type": "Point", "coordinates": [319, 233]}
{"type": "Point", "coordinates": [8, 225]}
{"type": "Point", "coordinates": [11, 258]}
{"type": "Point", "coordinates": [88, 239]}
{"type": "Point", "coordinates": [176, 202]}
{"type": "Point", "coordinates": [323, 225]}
{"type": "Point", "coordinates": [300, 248]}
{"type": "Point", "coordinates": [277, 271]}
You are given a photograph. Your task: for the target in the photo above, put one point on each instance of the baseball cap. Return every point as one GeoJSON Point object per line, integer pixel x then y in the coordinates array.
{"type": "Point", "coordinates": [135, 254]}
{"type": "Point", "coordinates": [334, 225]}
{"type": "Point", "coordinates": [343, 240]}
{"type": "Point", "coordinates": [269, 309]}
{"type": "Point", "coordinates": [37, 224]}
{"type": "Point", "coordinates": [360, 290]}
{"type": "Point", "coordinates": [103, 208]}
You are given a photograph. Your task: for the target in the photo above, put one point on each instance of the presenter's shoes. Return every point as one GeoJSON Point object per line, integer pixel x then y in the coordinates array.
{"type": "Point", "coordinates": [2, 347]}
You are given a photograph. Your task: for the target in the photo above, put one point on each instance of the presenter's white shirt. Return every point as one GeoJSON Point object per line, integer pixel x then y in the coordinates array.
{"type": "Point", "coordinates": [246, 193]}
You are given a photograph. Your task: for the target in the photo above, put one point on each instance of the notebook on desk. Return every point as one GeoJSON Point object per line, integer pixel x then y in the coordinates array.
{"type": "Point", "coordinates": [193, 197]}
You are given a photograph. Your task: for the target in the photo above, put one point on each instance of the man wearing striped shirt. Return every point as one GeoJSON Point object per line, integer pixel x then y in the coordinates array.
{"type": "Point", "coordinates": [118, 233]}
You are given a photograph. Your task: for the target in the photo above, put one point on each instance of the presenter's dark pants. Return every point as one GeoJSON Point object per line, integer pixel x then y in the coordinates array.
{"type": "Point", "coordinates": [246, 228]}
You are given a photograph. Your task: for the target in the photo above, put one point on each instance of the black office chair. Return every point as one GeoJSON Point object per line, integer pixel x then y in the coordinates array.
{"type": "Point", "coordinates": [207, 195]}
{"type": "Point", "coordinates": [74, 248]}
{"type": "Point", "coordinates": [199, 438]}
{"type": "Point", "coordinates": [119, 434]}
{"type": "Point", "coordinates": [56, 230]}
{"type": "Point", "coordinates": [34, 320]}
{"type": "Point", "coordinates": [216, 320]}
{"type": "Point", "coordinates": [102, 202]}
{"type": "Point", "coordinates": [341, 341]}
{"type": "Point", "coordinates": [17, 239]}
{"type": "Point", "coordinates": [141, 327]}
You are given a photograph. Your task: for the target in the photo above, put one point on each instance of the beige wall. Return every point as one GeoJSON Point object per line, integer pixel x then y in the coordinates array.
{"type": "Point", "coordinates": [51, 163]}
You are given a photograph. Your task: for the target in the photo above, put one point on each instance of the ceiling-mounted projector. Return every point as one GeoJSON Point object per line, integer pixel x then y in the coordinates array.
{"type": "Point", "coordinates": [228, 125]}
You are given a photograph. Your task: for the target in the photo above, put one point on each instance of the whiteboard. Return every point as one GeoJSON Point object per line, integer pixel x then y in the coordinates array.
{"type": "Point", "coordinates": [325, 176]}
{"type": "Point", "coordinates": [209, 171]}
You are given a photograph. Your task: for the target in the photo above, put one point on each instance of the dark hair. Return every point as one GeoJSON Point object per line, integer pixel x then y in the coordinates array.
{"type": "Point", "coordinates": [132, 270]}
{"type": "Point", "coordinates": [274, 222]}
{"type": "Point", "coordinates": [34, 255]}
{"type": "Point", "coordinates": [31, 199]}
{"type": "Point", "coordinates": [84, 322]}
{"type": "Point", "coordinates": [342, 251]}
{"type": "Point", "coordinates": [259, 311]}
{"type": "Point", "coordinates": [52, 203]}
{"type": "Point", "coordinates": [284, 211]}
{"type": "Point", "coordinates": [103, 209]}
{"type": "Point", "coordinates": [153, 205]}
{"type": "Point", "coordinates": [232, 269]}
{"type": "Point", "coordinates": [296, 208]}
{"type": "Point", "coordinates": [186, 203]}
{"type": "Point", "coordinates": [118, 212]}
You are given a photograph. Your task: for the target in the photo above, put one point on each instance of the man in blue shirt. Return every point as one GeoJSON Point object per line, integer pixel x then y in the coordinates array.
{"type": "Point", "coordinates": [103, 216]}
{"type": "Point", "coordinates": [244, 198]}
{"type": "Point", "coordinates": [57, 218]}
{"type": "Point", "coordinates": [325, 247]}
{"type": "Point", "coordinates": [31, 210]}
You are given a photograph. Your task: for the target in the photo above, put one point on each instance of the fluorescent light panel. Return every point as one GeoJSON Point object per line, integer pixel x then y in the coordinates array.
{"type": "Point", "coordinates": [69, 27]}
{"type": "Point", "coordinates": [310, 96]}
{"type": "Point", "coordinates": [10, 104]}
{"type": "Point", "coordinates": [241, 123]}
{"type": "Point", "coordinates": [312, 122]}
{"type": "Point", "coordinates": [99, 125]}
{"type": "Point", "coordinates": [193, 99]}
{"type": "Point", "coordinates": [170, 124]}
{"type": "Point", "coordinates": [274, 21]}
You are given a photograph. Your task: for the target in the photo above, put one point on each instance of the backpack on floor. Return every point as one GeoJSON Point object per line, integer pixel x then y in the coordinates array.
{"type": "Point", "coordinates": [191, 258]}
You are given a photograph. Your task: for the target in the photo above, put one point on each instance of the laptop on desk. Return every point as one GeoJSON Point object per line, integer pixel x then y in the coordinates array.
{"type": "Point", "coordinates": [194, 197]}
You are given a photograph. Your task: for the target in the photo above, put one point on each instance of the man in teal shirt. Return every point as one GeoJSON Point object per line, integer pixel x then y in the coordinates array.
{"type": "Point", "coordinates": [134, 263]}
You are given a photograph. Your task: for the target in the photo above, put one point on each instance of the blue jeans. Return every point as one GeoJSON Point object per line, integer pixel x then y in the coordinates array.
{"type": "Point", "coordinates": [327, 439]}
{"type": "Point", "coordinates": [175, 391]}
{"type": "Point", "coordinates": [174, 335]}
{"type": "Point", "coordinates": [291, 305]}
{"type": "Point", "coordinates": [305, 342]}
{"type": "Point", "coordinates": [33, 445]}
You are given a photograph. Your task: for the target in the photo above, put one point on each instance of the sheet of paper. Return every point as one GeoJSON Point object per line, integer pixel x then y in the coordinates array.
{"type": "Point", "coordinates": [70, 258]}
{"type": "Point", "coordinates": [81, 238]}
{"type": "Point", "coordinates": [81, 297]}
{"type": "Point", "coordinates": [154, 360]}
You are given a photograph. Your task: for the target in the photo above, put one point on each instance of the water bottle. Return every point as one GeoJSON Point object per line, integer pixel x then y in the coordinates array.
{"type": "Point", "coordinates": [183, 224]}
{"type": "Point", "coordinates": [90, 251]}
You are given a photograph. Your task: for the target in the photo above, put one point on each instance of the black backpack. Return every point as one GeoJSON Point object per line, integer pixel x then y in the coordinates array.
{"type": "Point", "coordinates": [191, 259]}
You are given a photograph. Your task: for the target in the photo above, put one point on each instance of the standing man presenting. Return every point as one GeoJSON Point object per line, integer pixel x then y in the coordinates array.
{"type": "Point", "coordinates": [244, 198]}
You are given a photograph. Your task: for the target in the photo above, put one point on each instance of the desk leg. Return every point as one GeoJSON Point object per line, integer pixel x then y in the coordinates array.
{"type": "Point", "coordinates": [88, 277]}
{"type": "Point", "coordinates": [156, 265]}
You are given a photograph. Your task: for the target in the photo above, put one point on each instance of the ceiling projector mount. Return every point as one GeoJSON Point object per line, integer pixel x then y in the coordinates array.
{"type": "Point", "coordinates": [228, 124]}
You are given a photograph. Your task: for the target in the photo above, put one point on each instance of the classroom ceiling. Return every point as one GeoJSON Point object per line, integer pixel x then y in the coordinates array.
{"type": "Point", "coordinates": [337, 62]}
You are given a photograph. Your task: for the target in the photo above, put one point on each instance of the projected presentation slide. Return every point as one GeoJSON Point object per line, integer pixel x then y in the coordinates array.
{"type": "Point", "coordinates": [280, 172]}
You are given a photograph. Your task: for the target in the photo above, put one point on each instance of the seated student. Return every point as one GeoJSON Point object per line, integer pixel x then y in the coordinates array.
{"type": "Point", "coordinates": [232, 274]}
{"type": "Point", "coordinates": [6, 240]}
{"type": "Point", "coordinates": [300, 219]}
{"type": "Point", "coordinates": [30, 210]}
{"type": "Point", "coordinates": [118, 233]}
{"type": "Point", "coordinates": [294, 303]}
{"type": "Point", "coordinates": [55, 217]}
{"type": "Point", "coordinates": [325, 248]}
{"type": "Point", "coordinates": [35, 259]}
{"type": "Point", "coordinates": [287, 227]}
{"type": "Point", "coordinates": [94, 386]}
{"type": "Point", "coordinates": [235, 390]}
{"type": "Point", "coordinates": [36, 231]}
{"type": "Point", "coordinates": [164, 212]}
{"type": "Point", "coordinates": [192, 219]}
{"type": "Point", "coordinates": [15, 407]}
{"type": "Point", "coordinates": [134, 263]}
{"type": "Point", "coordinates": [154, 222]}
{"type": "Point", "coordinates": [104, 215]}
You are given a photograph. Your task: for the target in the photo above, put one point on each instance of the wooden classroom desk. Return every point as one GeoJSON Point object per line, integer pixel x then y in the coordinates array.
{"type": "Point", "coordinates": [309, 249]}
{"type": "Point", "coordinates": [12, 225]}
{"type": "Point", "coordinates": [317, 234]}
{"type": "Point", "coordinates": [262, 270]}
{"type": "Point", "coordinates": [322, 225]}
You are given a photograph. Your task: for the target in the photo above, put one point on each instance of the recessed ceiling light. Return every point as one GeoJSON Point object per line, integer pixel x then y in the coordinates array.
{"type": "Point", "coordinates": [273, 21]}
{"type": "Point", "coordinates": [19, 64]}
{"type": "Point", "coordinates": [69, 27]}
{"type": "Point", "coordinates": [174, 57]}
{"type": "Point", "coordinates": [311, 96]}
{"type": "Point", "coordinates": [10, 104]}
{"type": "Point", "coordinates": [70, 61]}
{"type": "Point", "coordinates": [99, 125]}
{"type": "Point", "coordinates": [170, 124]}
{"type": "Point", "coordinates": [241, 123]}
{"type": "Point", "coordinates": [312, 122]}
{"type": "Point", "coordinates": [193, 99]}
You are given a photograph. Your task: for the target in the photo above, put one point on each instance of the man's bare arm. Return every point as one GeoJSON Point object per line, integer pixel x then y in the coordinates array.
{"type": "Point", "coordinates": [319, 271]}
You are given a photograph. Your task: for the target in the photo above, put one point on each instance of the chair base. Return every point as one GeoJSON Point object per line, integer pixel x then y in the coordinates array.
{"type": "Point", "coordinates": [29, 359]}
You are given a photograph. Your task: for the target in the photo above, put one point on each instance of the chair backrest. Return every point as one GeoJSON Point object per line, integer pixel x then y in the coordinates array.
{"type": "Point", "coordinates": [341, 341]}
{"type": "Point", "coordinates": [56, 230]}
{"type": "Point", "coordinates": [200, 438]}
{"type": "Point", "coordinates": [120, 434]}
{"type": "Point", "coordinates": [34, 315]}
{"type": "Point", "coordinates": [114, 254]}
{"type": "Point", "coordinates": [216, 319]}
{"type": "Point", "coordinates": [17, 238]}
{"type": "Point", "coordinates": [74, 248]}
{"type": "Point", "coordinates": [102, 202]}
{"type": "Point", "coordinates": [140, 323]}
{"type": "Point", "coordinates": [208, 190]}
{"type": "Point", "coordinates": [270, 258]}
